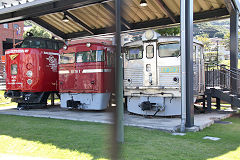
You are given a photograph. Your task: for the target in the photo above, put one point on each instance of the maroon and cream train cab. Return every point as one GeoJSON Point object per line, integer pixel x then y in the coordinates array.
{"type": "Point", "coordinates": [86, 76]}
{"type": "Point", "coordinates": [32, 71]}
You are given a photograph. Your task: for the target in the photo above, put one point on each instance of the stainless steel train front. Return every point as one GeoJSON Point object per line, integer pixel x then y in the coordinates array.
{"type": "Point", "coordinates": [152, 83]}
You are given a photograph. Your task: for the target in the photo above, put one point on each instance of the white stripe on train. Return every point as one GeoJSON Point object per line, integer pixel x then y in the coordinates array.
{"type": "Point", "coordinates": [85, 71]}
{"type": "Point", "coordinates": [96, 70]}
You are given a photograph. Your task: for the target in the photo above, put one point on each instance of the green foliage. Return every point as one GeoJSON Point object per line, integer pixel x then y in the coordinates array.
{"type": "Point", "coordinates": [219, 35]}
{"type": "Point", "coordinates": [227, 62]}
{"type": "Point", "coordinates": [227, 41]}
{"type": "Point", "coordinates": [28, 23]}
{"type": "Point", "coordinates": [212, 29]}
{"type": "Point", "coordinates": [38, 32]}
{"type": "Point", "coordinates": [169, 31]}
{"type": "Point", "coordinates": [205, 40]}
{"type": "Point", "coordinates": [211, 57]}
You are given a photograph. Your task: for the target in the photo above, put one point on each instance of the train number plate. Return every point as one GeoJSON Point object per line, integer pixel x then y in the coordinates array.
{"type": "Point", "coordinates": [169, 69]}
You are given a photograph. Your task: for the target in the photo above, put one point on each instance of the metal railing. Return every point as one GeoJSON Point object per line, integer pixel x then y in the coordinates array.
{"type": "Point", "coordinates": [220, 75]}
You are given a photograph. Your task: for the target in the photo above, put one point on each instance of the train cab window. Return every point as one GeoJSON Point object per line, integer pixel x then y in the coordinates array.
{"type": "Point", "coordinates": [109, 58]}
{"type": "Point", "coordinates": [14, 69]}
{"type": "Point", "coordinates": [50, 45]}
{"type": "Point", "coordinates": [100, 56]}
{"type": "Point", "coordinates": [169, 50]}
{"type": "Point", "coordinates": [60, 45]}
{"type": "Point", "coordinates": [150, 51]}
{"type": "Point", "coordinates": [90, 56]}
{"type": "Point", "coordinates": [67, 58]}
{"type": "Point", "coordinates": [55, 46]}
{"type": "Point", "coordinates": [135, 53]}
{"type": "Point", "coordinates": [33, 44]}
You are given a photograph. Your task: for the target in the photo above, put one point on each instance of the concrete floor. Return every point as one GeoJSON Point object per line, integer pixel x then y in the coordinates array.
{"type": "Point", "coordinates": [164, 124]}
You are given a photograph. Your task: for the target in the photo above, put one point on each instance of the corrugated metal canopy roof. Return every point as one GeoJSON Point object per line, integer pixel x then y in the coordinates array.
{"type": "Point", "coordinates": [92, 17]}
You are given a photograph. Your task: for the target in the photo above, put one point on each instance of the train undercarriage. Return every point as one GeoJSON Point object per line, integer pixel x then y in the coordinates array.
{"type": "Point", "coordinates": [28, 100]}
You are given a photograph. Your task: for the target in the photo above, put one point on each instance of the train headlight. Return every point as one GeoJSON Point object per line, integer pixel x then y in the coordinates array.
{"type": "Point", "coordinates": [14, 69]}
{"type": "Point", "coordinates": [148, 67]}
{"type": "Point", "coordinates": [176, 79]}
{"type": "Point", "coordinates": [29, 73]}
{"type": "Point", "coordinates": [29, 66]}
{"type": "Point", "coordinates": [65, 47]}
{"type": "Point", "coordinates": [149, 34]}
{"type": "Point", "coordinates": [29, 81]}
{"type": "Point", "coordinates": [88, 44]}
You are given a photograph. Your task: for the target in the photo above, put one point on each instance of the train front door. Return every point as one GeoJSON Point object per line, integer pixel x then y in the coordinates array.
{"type": "Point", "coordinates": [150, 64]}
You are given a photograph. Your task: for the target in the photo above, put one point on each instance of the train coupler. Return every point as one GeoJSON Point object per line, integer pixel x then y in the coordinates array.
{"type": "Point", "coordinates": [147, 105]}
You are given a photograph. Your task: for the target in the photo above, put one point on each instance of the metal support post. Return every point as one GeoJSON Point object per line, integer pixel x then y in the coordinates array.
{"type": "Point", "coordinates": [233, 48]}
{"type": "Point", "coordinates": [187, 61]}
{"type": "Point", "coordinates": [118, 132]}
{"type": "Point", "coordinates": [119, 73]}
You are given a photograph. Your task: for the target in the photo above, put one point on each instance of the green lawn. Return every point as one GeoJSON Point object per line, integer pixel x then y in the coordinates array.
{"type": "Point", "coordinates": [5, 101]}
{"type": "Point", "coordinates": [227, 62]}
{"type": "Point", "coordinates": [64, 139]}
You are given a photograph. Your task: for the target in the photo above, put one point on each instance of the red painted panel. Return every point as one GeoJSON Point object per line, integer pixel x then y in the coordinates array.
{"type": "Point", "coordinates": [37, 70]}
{"type": "Point", "coordinates": [87, 77]}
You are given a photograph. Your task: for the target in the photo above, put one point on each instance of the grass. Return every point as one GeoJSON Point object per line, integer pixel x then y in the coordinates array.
{"type": "Point", "coordinates": [4, 102]}
{"type": "Point", "coordinates": [227, 62]}
{"type": "Point", "coordinates": [64, 139]}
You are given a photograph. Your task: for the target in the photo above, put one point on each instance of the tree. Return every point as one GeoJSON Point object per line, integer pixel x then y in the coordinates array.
{"type": "Point", "coordinates": [219, 35]}
{"type": "Point", "coordinates": [205, 40]}
{"type": "Point", "coordinates": [169, 31]}
{"type": "Point", "coordinates": [227, 41]}
{"type": "Point", "coordinates": [212, 29]}
{"type": "Point", "coordinates": [37, 32]}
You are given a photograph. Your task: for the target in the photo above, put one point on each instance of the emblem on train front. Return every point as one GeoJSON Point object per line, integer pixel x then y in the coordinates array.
{"type": "Point", "coordinates": [13, 56]}
{"type": "Point", "coordinates": [52, 63]}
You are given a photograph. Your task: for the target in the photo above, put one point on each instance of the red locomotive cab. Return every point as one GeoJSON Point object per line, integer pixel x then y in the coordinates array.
{"type": "Point", "coordinates": [32, 71]}
{"type": "Point", "coordinates": [86, 76]}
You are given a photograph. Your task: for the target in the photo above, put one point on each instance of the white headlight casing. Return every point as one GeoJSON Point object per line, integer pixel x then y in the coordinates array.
{"type": "Point", "coordinates": [29, 81]}
{"type": "Point", "coordinates": [88, 45]}
{"type": "Point", "coordinates": [65, 47]}
{"type": "Point", "coordinates": [29, 73]}
{"type": "Point", "coordinates": [149, 34]}
{"type": "Point", "coordinates": [148, 67]}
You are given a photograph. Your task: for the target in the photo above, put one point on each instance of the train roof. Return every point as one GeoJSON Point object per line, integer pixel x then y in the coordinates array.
{"type": "Point", "coordinates": [102, 44]}
{"type": "Point", "coordinates": [40, 38]}
{"type": "Point", "coordinates": [160, 39]}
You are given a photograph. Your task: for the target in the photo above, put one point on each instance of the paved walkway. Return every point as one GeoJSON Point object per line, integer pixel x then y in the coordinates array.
{"type": "Point", "coordinates": [165, 124]}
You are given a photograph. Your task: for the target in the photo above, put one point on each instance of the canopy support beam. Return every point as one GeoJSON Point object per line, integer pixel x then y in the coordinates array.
{"type": "Point", "coordinates": [79, 22]}
{"type": "Point", "coordinates": [49, 27]}
{"type": "Point", "coordinates": [166, 10]}
{"type": "Point", "coordinates": [111, 10]}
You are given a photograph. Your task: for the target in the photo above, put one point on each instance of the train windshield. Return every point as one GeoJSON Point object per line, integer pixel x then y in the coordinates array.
{"type": "Point", "coordinates": [169, 50]}
{"type": "Point", "coordinates": [33, 44]}
{"type": "Point", "coordinates": [67, 58]}
{"type": "Point", "coordinates": [41, 43]}
{"type": "Point", "coordinates": [90, 56]}
{"type": "Point", "coordinates": [135, 53]}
